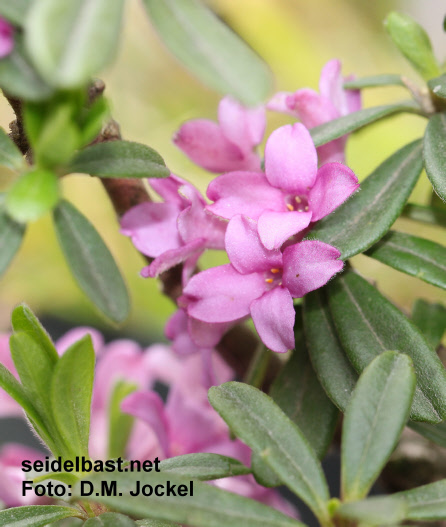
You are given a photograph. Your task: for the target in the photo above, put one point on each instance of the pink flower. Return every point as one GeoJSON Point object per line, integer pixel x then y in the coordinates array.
{"type": "Point", "coordinates": [260, 282]}
{"type": "Point", "coordinates": [314, 108]}
{"type": "Point", "coordinates": [6, 38]}
{"type": "Point", "coordinates": [175, 231]}
{"type": "Point", "coordinates": [228, 145]}
{"type": "Point", "coordinates": [292, 193]}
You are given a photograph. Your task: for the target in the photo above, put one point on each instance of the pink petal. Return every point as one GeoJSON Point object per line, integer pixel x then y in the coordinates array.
{"type": "Point", "coordinates": [167, 188]}
{"type": "Point", "coordinates": [241, 125]}
{"type": "Point", "coordinates": [273, 316]}
{"type": "Point", "coordinates": [176, 331]}
{"type": "Point", "coordinates": [330, 85]}
{"type": "Point", "coordinates": [354, 102]}
{"type": "Point", "coordinates": [222, 294]}
{"type": "Point", "coordinates": [276, 227]}
{"type": "Point", "coordinates": [278, 103]}
{"type": "Point", "coordinates": [309, 265]}
{"type": "Point", "coordinates": [76, 334]}
{"type": "Point", "coordinates": [206, 335]}
{"type": "Point", "coordinates": [245, 251]}
{"type": "Point", "coordinates": [246, 193]}
{"type": "Point", "coordinates": [6, 38]}
{"type": "Point", "coordinates": [152, 227]}
{"type": "Point", "coordinates": [334, 184]}
{"type": "Point", "coordinates": [332, 152]}
{"type": "Point", "coordinates": [171, 258]}
{"type": "Point", "coordinates": [205, 144]}
{"type": "Point", "coordinates": [291, 159]}
{"type": "Point", "coordinates": [312, 108]}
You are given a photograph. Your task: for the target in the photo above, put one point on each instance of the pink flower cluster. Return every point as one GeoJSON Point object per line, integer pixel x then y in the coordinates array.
{"type": "Point", "coordinates": [259, 217]}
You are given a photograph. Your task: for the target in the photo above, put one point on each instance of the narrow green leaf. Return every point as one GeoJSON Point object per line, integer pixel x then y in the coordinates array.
{"type": "Point", "coordinates": [368, 324]}
{"type": "Point", "coordinates": [263, 426]}
{"type": "Point", "coordinates": [24, 320]}
{"type": "Point", "coordinates": [11, 236]}
{"type": "Point", "coordinates": [110, 519]}
{"type": "Point", "coordinates": [435, 153]}
{"type": "Point", "coordinates": [72, 42]}
{"type": "Point", "coordinates": [375, 417]}
{"type": "Point", "coordinates": [208, 506]}
{"type": "Point", "coordinates": [426, 503]}
{"type": "Point", "coordinates": [360, 222]}
{"type": "Point", "coordinates": [435, 433]}
{"type": "Point", "coordinates": [388, 510]}
{"type": "Point", "coordinates": [425, 214]}
{"type": "Point", "coordinates": [32, 195]}
{"type": "Point", "coordinates": [438, 86]}
{"type": "Point", "coordinates": [332, 367]}
{"type": "Point", "coordinates": [263, 473]}
{"type": "Point", "coordinates": [120, 424]}
{"type": "Point", "coordinates": [91, 262]}
{"type": "Point", "coordinates": [374, 81]}
{"type": "Point", "coordinates": [324, 133]}
{"type": "Point", "coordinates": [210, 49]}
{"type": "Point", "coordinates": [10, 155]}
{"type": "Point", "coordinates": [204, 466]}
{"type": "Point", "coordinates": [71, 391]}
{"type": "Point", "coordinates": [119, 159]}
{"type": "Point", "coordinates": [14, 11]}
{"type": "Point", "coordinates": [156, 523]}
{"type": "Point", "coordinates": [412, 255]}
{"type": "Point", "coordinates": [431, 320]}
{"type": "Point", "coordinates": [36, 515]}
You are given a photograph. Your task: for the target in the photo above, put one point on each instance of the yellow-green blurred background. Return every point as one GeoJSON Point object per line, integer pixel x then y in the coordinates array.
{"type": "Point", "coordinates": [152, 95]}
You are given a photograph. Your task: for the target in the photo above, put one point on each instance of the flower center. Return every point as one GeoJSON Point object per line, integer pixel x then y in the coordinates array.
{"type": "Point", "coordinates": [297, 203]}
{"type": "Point", "coordinates": [273, 277]}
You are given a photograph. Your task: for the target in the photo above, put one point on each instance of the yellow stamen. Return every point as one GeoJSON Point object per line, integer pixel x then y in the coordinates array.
{"type": "Point", "coordinates": [306, 208]}
{"type": "Point", "coordinates": [269, 280]}
{"type": "Point", "coordinates": [289, 207]}
{"type": "Point", "coordinates": [275, 271]}
{"type": "Point", "coordinates": [298, 200]}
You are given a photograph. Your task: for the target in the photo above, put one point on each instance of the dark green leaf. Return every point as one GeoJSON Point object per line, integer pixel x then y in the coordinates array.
{"type": "Point", "coordinates": [360, 222]}
{"type": "Point", "coordinates": [426, 503]}
{"type": "Point", "coordinates": [35, 515]}
{"type": "Point", "coordinates": [431, 320]}
{"type": "Point", "coordinates": [11, 236]}
{"type": "Point", "coordinates": [70, 45]}
{"type": "Point", "coordinates": [261, 424]}
{"type": "Point", "coordinates": [210, 49]}
{"type": "Point", "coordinates": [14, 11]}
{"type": "Point", "coordinates": [435, 433]}
{"type": "Point", "coordinates": [373, 81]}
{"type": "Point", "coordinates": [432, 215]}
{"type": "Point", "coordinates": [10, 155]}
{"type": "Point", "coordinates": [375, 417]}
{"type": "Point", "coordinates": [262, 472]}
{"type": "Point", "coordinates": [208, 507]}
{"type": "Point", "coordinates": [71, 391]}
{"type": "Point", "coordinates": [91, 262]}
{"type": "Point", "coordinates": [333, 368]}
{"type": "Point", "coordinates": [204, 466]}
{"type": "Point", "coordinates": [435, 153]}
{"type": "Point", "coordinates": [120, 159]}
{"type": "Point", "coordinates": [388, 510]}
{"type": "Point", "coordinates": [368, 324]}
{"type": "Point", "coordinates": [324, 133]}
{"type": "Point", "coordinates": [110, 519]}
{"type": "Point", "coordinates": [438, 86]}
{"type": "Point", "coordinates": [156, 523]}
{"type": "Point", "coordinates": [119, 424]}
{"type": "Point", "coordinates": [436, 202]}
{"type": "Point", "coordinates": [412, 255]}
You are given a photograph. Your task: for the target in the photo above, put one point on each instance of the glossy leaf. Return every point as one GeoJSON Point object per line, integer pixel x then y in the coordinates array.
{"type": "Point", "coordinates": [426, 503]}
{"type": "Point", "coordinates": [368, 324]}
{"type": "Point", "coordinates": [10, 155]}
{"type": "Point", "coordinates": [14, 11]}
{"type": "Point", "coordinates": [431, 320]}
{"type": "Point", "coordinates": [374, 81]}
{"type": "Point", "coordinates": [11, 236]}
{"type": "Point", "coordinates": [204, 466]}
{"type": "Point", "coordinates": [388, 510]}
{"type": "Point", "coordinates": [346, 124]}
{"type": "Point", "coordinates": [435, 153]}
{"type": "Point", "coordinates": [119, 159]}
{"type": "Point", "coordinates": [208, 507]}
{"type": "Point", "coordinates": [263, 426]}
{"type": "Point", "coordinates": [35, 515]}
{"type": "Point", "coordinates": [91, 262]}
{"type": "Point", "coordinates": [210, 49]}
{"type": "Point", "coordinates": [71, 391]}
{"type": "Point", "coordinates": [412, 255]}
{"type": "Point", "coordinates": [361, 221]}
{"type": "Point", "coordinates": [425, 214]}
{"type": "Point", "coordinates": [110, 519]}
{"type": "Point", "coordinates": [329, 360]}
{"type": "Point", "coordinates": [119, 424]}
{"type": "Point", "coordinates": [71, 43]}
{"type": "Point", "coordinates": [373, 422]}
{"type": "Point", "coordinates": [438, 86]}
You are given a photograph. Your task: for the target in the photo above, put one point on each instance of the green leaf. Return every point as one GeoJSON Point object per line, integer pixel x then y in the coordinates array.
{"type": "Point", "coordinates": [413, 42]}
{"type": "Point", "coordinates": [10, 155]}
{"type": "Point", "coordinates": [426, 503]}
{"type": "Point", "coordinates": [72, 42]}
{"type": "Point", "coordinates": [368, 324]}
{"type": "Point", "coordinates": [11, 236]}
{"type": "Point", "coordinates": [360, 222]}
{"type": "Point", "coordinates": [263, 473]}
{"type": "Point", "coordinates": [435, 153]}
{"type": "Point", "coordinates": [110, 519]}
{"type": "Point", "coordinates": [204, 466]}
{"type": "Point", "coordinates": [324, 133]}
{"type": "Point", "coordinates": [208, 506]}
{"type": "Point", "coordinates": [412, 255]}
{"type": "Point", "coordinates": [119, 424]}
{"type": "Point", "coordinates": [71, 391]}
{"type": "Point", "coordinates": [36, 515]}
{"type": "Point", "coordinates": [14, 11]}
{"type": "Point", "coordinates": [431, 320]}
{"type": "Point", "coordinates": [438, 86]}
{"type": "Point", "coordinates": [374, 81]}
{"type": "Point", "coordinates": [32, 195]}
{"type": "Point", "coordinates": [435, 433]}
{"type": "Point", "coordinates": [156, 523]}
{"type": "Point", "coordinates": [388, 510]}
{"type": "Point", "coordinates": [91, 262]}
{"type": "Point", "coordinates": [119, 159]}
{"type": "Point", "coordinates": [93, 119]}
{"type": "Point", "coordinates": [263, 426]}
{"type": "Point", "coordinates": [210, 49]}
{"type": "Point", "coordinates": [24, 320]}
{"type": "Point", "coordinates": [425, 214]}
{"type": "Point", "coordinates": [332, 367]}
{"type": "Point", "coordinates": [375, 417]}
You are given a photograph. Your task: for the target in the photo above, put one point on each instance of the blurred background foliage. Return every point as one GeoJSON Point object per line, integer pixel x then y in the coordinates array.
{"type": "Point", "coordinates": [151, 95]}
